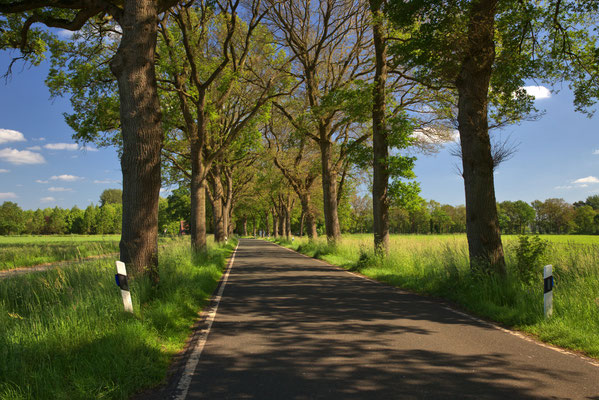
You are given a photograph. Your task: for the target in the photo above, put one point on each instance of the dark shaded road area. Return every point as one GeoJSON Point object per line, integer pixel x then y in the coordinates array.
{"type": "Point", "coordinates": [289, 327]}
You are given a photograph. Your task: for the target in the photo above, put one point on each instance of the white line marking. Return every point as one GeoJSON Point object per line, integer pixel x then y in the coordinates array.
{"type": "Point", "coordinates": [589, 360]}
{"type": "Point", "coordinates": [194, 357]}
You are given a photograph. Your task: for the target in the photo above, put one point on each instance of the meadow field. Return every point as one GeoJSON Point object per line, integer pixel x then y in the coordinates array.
{"type": "Point", "coordinates": [25, 251]}
{"type": "Point", "coordinates": [437, 265]}
{"type": "Point", "coordinates": [64, 334]}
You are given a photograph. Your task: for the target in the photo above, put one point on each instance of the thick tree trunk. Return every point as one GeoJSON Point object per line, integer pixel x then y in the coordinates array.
{"type": "Point", "coordinates": [133, 67]}
{"type": "Point", "coordinates": [245, 226]}
{"type": "Point", "coordinates": [309, 219]}
{"type": "Point", "coordinates": [329, 191]}
{"type": "Point", "coordinates": [380, 186]}
{"type": "Point", "coordinates": [275, 224]}
{"type": "Point", "coordinates": [254, 227]}
{"type": "Point", "coordinates": [288, 222]}
{"type": "Point", "coordinates": [198, 198]}
{"type": "Point", "coordinates": [282, 221]}
{"type": "Point", "coordinates": [217, 206]}
{"type": "Point", "coordinates": [482, 223]}
{"type": "Point", "coordinates": [266, 224]}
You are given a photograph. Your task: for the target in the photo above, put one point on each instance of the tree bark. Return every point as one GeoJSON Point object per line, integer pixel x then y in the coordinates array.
{"type": "Point", "coordinates": [309, 219]}
{"type": "Point", "coordinates": [275, 224]}
{"type": "Point", "coordinates": [482, 223]}
{"type": "Point", "coordinates": [133, 67]}
{"type": "Point", "coordinates": [217, 206]}
{"type": "Point", "coordinates": [329, 191]}
{"type": "Point", "coordinates": [245, 226]}
{"type": "Point", "coordinates": [380, 186]}
{"type": "Point", "coordinates": [198, 198]}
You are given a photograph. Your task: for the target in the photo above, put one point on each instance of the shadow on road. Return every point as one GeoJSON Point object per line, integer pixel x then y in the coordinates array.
{"type": "Point", "coordinates": [286, 330]}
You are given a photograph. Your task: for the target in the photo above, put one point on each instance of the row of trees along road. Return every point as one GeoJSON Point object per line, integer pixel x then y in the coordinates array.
{"type": "Point", "coordinates": [336, 87]}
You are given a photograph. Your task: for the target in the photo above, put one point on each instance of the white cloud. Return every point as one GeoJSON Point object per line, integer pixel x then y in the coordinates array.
{"type": "Point", "coordinates": [568, 187]}
{"type": "Point", "coordinates": [89, 148]}
{"type": "Point", "coordinates": [431, 135]}
{"type": "Point", "coordinates": [40, 181]}
{"type": "Point", "coordinates": [8, 135]}
{"type": "Point", "coordinates": [62, 146]}
{"type": "Point", "coordinates": [47, 199]}
{"type": "Point", "coordinates": [66, 178]}
{"type": "Point", "coordinates": [539, 92]}
{"type": "Point", "coordinates": [35, 148]}
{"type": "Point", "coordinates": [106, 181]}
{"type": "Point", "coordinates": [17, 157]}
{"type": "Point", "coordinates": [7, 195]}
{"type": "Point", "coordinates": [65, 34]}
{"type": "Point", "coordinates": [596, 152]}
{"type": "Point", "coordinates": [41, 139]}
{"type": "Point", "coordinates": [4, 171]}
{"type": "Point", "coordinates": [588, 179]}
{"type": "Point", "coordinates": [59, 189]}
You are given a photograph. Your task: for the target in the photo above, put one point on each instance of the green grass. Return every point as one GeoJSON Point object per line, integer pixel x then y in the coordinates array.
{"type": "Point", "coordinates": [37, 239]}
{"type": "Point", "coordinates": [64, 334]}
{"type": "Point", "coordinates": [437, 265]}
{"type": "Point", "coordinates": [48, 250]}
{"type": "Point", "coordinates": [26, 251]}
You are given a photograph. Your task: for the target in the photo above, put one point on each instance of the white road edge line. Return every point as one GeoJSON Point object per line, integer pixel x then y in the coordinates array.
{"type": "Point", "coordinates": [463, 314]}
{"type": "Point", "coordinates": [194, 357]}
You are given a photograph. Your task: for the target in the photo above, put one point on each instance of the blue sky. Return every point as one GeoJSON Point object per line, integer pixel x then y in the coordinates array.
{"type": "Point", "coordinates": [41, 166]}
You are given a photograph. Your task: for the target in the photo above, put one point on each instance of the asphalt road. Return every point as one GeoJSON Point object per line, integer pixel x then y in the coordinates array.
{"type": "Point", "coordinates": [289, 327]}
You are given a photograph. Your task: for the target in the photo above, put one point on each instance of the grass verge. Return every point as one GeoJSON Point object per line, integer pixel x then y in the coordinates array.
{"type": "Point", "coordinates": [438, 266]}
{"type": "Point", "coordinates": [63, 334]}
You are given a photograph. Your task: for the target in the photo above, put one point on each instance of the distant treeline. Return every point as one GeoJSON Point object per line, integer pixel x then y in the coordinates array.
{"type": "Point", "coordinates": [515, 217]}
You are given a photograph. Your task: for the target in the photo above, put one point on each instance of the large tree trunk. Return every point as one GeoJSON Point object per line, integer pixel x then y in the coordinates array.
{"type": "Point", "coordinates": [266, 224]}
{"type": "Point", "coordinates": [380, 186]}
{"type": "Point", "coordinates": [217, 206]}
{"type": "Point", "coordinates": [275, 224]}
{"type": "Point", "coordinates": [309, 219]}
{"type": "Point", "coordinates": [329, 191]}
{"type": "Point", "coordinates": [133, 67]}
{"type": "Point", "coordinates": [245, 226]}
{"type": "Point", "coordinates": [482, 223]}
{"type": "Point", "coordinates": [198, 199]}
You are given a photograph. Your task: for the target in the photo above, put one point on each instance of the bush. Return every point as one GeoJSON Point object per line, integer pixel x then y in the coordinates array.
{"type": "Point", "coordinates": [530, 256]}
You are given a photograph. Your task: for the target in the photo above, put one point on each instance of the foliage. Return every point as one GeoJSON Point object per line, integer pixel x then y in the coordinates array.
{"type": "Point", "coordinates": [111, 196]}
{"type": "Point", "coordinates": [530, 255]}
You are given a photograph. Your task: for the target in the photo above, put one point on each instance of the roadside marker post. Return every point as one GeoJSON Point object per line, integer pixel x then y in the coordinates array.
{"type": "Point", "coordinates": [548, 290]}
{"type": "Point", "coordinates": [123, 283]}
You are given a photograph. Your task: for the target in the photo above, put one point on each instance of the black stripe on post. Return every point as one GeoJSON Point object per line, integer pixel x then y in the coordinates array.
{"type": "Point", "coordinates": [122, 282]}
{"type": "Point", "coordinates": [548, 284]}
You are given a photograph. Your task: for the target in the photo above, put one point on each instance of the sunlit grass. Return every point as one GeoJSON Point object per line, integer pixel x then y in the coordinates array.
{"type": "Point", "coordinates": [64, 334]}
{"type": "Point", "coordinates": [438, 265]}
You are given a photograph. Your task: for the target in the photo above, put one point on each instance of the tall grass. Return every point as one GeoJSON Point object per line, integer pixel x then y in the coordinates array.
{"type": "Point", "coordinates": [438, 266]}
{"type": "Point", "coordinates": [29, 254]}
{"type": "Point", "coordinates": [64, 334]}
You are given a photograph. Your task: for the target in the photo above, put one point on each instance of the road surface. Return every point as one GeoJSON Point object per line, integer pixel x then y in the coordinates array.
{"type": "Point", "coordinates": [289, 327]}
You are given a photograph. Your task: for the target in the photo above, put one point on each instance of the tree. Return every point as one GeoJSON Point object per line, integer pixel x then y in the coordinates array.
{"type": "Point", "coordinates": [484, 50]}
{"type": "Point", "coordinates": [219, 86]}
{"type": "Point", "coordinates": [133, 67]}
{"type": "Point", "coordinates": [296, 156]}
{"type": "Point", "coordinates": [584, 217]}
{"type": "Point", "coordinates": [111, 196]}
{"type": "Point", "coordinates": [12, 220]}
{"type": "Point", "coordinates": [328, 39]}
{"type": "Point", "coordinates": [593, 201]}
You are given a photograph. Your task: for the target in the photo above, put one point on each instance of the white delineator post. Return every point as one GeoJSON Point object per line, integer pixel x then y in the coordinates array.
{"type": "Point", "coordinates": [122, 282]}
{"type": "Point", "coordinates": [548, 290]}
